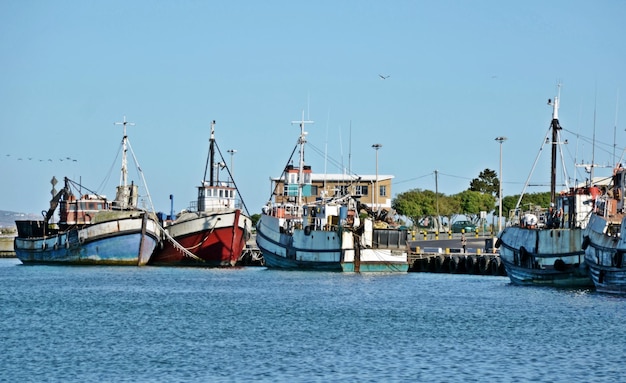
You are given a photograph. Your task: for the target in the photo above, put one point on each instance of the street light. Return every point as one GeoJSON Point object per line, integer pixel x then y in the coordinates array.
{"type": "Point", "coordinates": [232, 173]}
{"type": "Point", "coordinates": [500, 139]}
{"type": "Point", "coordinates": [377, 146]}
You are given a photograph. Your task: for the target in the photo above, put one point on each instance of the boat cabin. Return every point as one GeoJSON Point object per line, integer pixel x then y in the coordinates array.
{"type": "Point", "coordinates": [216, 197]}
{"type": "Point", "coordinates": [610, 205]}
{"type": "Point", "coordinates": [571, 210]}
{"type": "Point", "coordinates": [126, 197]}
{"type": "Point", "coordinates": [81, 211]}
{"type": "Point", "coordinates": [292, 181]}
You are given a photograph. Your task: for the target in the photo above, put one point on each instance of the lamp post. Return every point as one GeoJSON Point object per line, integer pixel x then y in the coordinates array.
{"type": "Point", "coordinates": [232, 172]}
{"type": "Point", "coordinates": [500, 139]}
{"type": "Point", "coordinates": [376, 147]}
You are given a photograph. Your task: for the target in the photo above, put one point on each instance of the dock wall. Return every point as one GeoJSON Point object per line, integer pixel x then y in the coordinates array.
{"type": "Point", "coordinates": [6, 247]}
{"type": "Point", "coordinates": [457, 263]}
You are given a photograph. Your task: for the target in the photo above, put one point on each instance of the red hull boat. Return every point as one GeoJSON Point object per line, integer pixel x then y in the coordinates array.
{"type": "Point", "coordinates": [213, 232]}
{"type": "Point", "coordinates": [220, 246]}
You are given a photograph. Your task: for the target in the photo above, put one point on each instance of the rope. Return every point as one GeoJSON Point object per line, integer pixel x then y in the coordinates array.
{"type": "Point", "coordinates": [185, 250]}
{"type": "Point", "coordinates": [205, 237]}
{"type": "Point", "coordinates": [180, 247]}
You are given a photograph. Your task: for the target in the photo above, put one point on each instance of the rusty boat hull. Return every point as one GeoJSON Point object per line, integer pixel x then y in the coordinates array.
{"type": "Point", "coordinates": [604, 255]}
{"type": "Point", "coordinates": [544, 257]}
{"type": "Point", "coordinates": [125, 241]}
{"type": "Point", "coordinates": [208, 239]}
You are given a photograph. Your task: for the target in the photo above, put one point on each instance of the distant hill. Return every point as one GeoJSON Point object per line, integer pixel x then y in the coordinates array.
{"type": "Point", "coordinates": [7, 218]}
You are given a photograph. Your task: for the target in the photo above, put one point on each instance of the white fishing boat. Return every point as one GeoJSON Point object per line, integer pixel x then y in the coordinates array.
{"type": "Point", "coordinates": [543, 246]}
{"type": "Point", "coordinates": [604, 239]}
{"type": "Point", "coordinates": [331, 233]}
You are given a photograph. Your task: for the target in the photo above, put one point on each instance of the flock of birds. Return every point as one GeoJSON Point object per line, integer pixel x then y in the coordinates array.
{"type": "Point", "coordinates": [69, 159]}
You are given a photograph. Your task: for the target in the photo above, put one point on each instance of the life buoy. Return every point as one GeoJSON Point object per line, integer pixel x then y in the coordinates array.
{"type": "Point", "coordinates": [586, 241]}
{"type": "Point", "coordinates": [559, 265]}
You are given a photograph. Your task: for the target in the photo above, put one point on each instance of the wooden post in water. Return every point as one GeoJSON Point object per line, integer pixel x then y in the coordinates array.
{"type": "Point", "coordinates": [357, 256]}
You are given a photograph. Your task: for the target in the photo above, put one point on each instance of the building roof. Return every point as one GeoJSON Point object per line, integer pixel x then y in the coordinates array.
{"type": "Point", "coordinates": [318, 177]}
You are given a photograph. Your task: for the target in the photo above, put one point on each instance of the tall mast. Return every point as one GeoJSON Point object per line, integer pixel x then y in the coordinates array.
{"type": "Point", "coordinates": [301, 142]}
{"type": "Point", "coordinates": [555, 136]}
{"type": "Point", "coordinates": [124, 175]}
{"type": "Point", "coordinates": [210, 158]}
{"type": "Point", "coordinates": [212, 153]}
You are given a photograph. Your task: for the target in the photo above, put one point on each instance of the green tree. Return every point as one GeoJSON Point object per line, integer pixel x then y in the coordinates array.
{"type": "Point", "coordinates": [255, 218]}
{"type": "Point", "coordinates": [473, 202]}
{"type": "Point", "coordinates": [487, 182]}
{"type": "Point", "coordinates": [415, 204]}
{"type": "Point", "coordinates": [449, 207]}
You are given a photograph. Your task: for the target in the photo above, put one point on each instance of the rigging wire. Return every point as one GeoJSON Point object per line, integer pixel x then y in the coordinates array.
{"type": "Point", "coordinates": [107, 177]}
{"type": "Point", "coordinates": [232, 178]}
{"type": "Point", "coordinates": [145, 184]}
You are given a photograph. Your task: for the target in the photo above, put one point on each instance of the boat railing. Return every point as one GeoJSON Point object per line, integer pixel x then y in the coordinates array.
{"type": "Point", "coordinates": [390, 238]}
{"type": "Point", "coordinates": [286, 211]}
{"type": "Point", "coordinates": [214, 206]}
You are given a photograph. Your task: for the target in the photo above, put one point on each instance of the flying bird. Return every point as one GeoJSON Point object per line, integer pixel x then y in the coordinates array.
{"type": "Point", "coordinates": [383, 77]}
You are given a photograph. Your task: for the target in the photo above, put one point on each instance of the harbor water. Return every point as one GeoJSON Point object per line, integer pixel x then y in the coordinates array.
{"type": "Point", "coordinates": [159, 324]}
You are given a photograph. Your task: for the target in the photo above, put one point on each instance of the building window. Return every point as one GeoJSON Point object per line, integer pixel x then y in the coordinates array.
{"type": "Point", "coordinates": [314, 190]}
{"type": "Point", "coordinates": [382, 190]}
{"type": "Point", "coordinates": [362, 190]}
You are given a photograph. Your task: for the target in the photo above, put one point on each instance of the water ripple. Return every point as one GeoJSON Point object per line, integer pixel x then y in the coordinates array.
{"type": "Point", "coordinates": [118, 324]}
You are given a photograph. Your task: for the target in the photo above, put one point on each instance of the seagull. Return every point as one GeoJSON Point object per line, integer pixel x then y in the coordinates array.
{"type": "Point", "coordinates": [383, 77]}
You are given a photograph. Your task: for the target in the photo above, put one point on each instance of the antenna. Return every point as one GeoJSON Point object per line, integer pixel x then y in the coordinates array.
{"type": "Point", "coordinates": [615, 125]}
{"type": "Point", "coordinates": [350, 150]}
{"type": "Point", "coordinates": [326, 153]}
{"type": "Point", "coordinates": [301, 142]}
{"type": "Point", "coordinates": [593, 145]}
{"type": "Point", "coordinates": [124, 175]}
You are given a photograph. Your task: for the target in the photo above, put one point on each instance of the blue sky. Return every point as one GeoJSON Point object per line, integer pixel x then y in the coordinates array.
{"type": "Point", "coordinates": [461, 74]}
